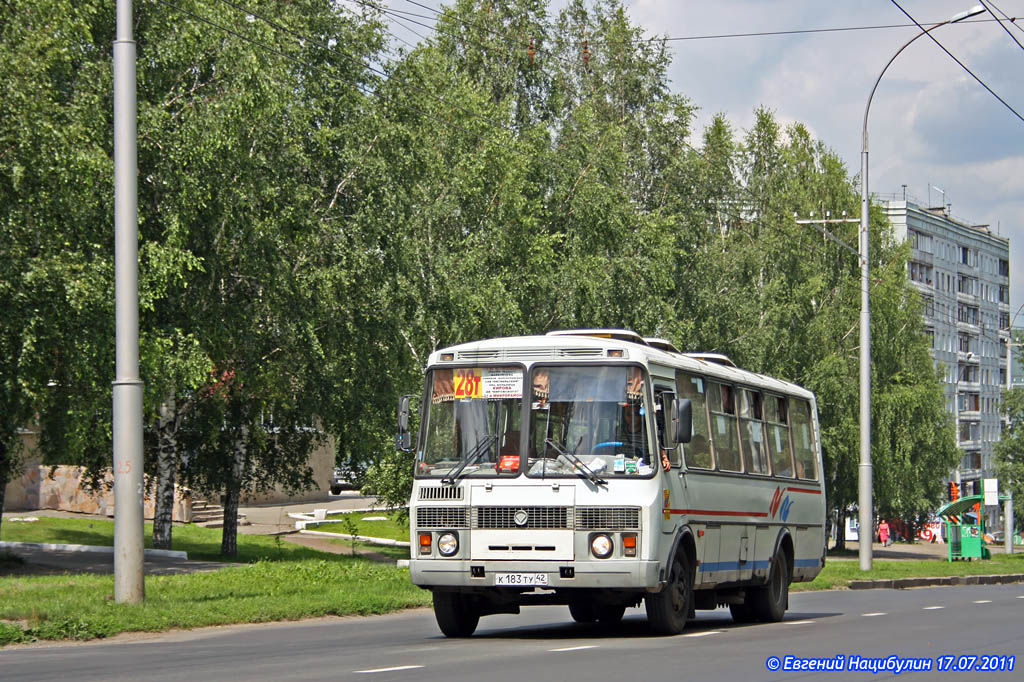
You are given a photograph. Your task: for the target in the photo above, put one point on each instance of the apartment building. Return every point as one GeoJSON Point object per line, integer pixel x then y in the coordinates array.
{"type": "Point", "coordinates": [963, 274]}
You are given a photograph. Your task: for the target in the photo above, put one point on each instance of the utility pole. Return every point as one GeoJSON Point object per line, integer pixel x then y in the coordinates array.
{"type": "Point", "coordinates": [127, 387]}
{"type": "Point", "coordinates": [1008, 524]}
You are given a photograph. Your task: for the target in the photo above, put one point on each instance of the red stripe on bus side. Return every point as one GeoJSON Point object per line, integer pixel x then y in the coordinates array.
{"type": "Point", "coordinates": [711, 512]}
{"type": "Point", "coordinates": [805, 490]}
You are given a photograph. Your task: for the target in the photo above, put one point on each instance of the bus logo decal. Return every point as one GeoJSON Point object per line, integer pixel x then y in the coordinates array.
{"type": "Point", "coordinates": [522, 517]}
{"type": "Point", "coordinates": [776, 501]}
{"type": "Point", "coordinates": [784, 510]}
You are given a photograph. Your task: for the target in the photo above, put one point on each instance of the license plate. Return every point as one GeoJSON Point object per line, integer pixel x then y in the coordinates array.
{"type": "Point", "coordinates": [520, 578]}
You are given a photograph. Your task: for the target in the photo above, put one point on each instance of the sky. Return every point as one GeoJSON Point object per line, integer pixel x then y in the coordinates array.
{"type": "Point", "coordinates": [931, 125]}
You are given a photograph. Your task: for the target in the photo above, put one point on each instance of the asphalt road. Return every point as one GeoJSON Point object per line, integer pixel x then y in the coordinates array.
{"type": "Point", "coordinates": [543, 644]}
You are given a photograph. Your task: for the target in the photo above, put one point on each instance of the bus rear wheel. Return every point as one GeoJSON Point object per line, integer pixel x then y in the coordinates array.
{"type": "Point", "coordinates": [457, 614]}
{"type": "Point", "coordinates": [668, 610]}
{"type": "Point", "coordinates": [770, 602]}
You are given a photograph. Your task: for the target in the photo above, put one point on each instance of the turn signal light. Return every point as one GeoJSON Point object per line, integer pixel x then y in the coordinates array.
{"type": "Point", "coordinates": [629, 544]}
{"type": "Point", "coordinates": [425, 539]}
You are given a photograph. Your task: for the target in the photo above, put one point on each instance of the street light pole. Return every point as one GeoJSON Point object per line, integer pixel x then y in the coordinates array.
{"type": "Point", "coordinates": [127, 388]}
{"type": "Point", "coordinates": [865, 503]}
{"type": "Point", "coordinates": [1008, 521]}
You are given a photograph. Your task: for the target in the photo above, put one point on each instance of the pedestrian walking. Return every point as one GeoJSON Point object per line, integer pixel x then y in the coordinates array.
{"type": "Point", "coordinates": [883, 533]}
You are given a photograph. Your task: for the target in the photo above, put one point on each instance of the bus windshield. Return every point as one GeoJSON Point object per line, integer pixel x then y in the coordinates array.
{"type": "Point", "coordinates": [589, 420]}
{"type": "Point", "coordinates": [472, 422]}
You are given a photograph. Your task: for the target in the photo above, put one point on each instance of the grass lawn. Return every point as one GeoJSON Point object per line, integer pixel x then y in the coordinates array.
{"type": "Point", "coordinates": [838, 574]}
{"type": "Point", "coordinates": [275, 581]}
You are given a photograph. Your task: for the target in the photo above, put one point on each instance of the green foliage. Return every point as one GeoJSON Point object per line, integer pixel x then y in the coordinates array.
{"type": "Point", "coordinates": [311, 231]}
{"type": "Point", "coordinates": [1009, 451]}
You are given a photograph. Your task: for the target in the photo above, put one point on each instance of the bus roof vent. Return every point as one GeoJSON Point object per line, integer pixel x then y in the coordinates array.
{"type": "Point", "coordinates": [716, 358]}
{"type": "Point", "coordinates": [617, 334]}
{"type": "Point", "coordinates": [662, 344]}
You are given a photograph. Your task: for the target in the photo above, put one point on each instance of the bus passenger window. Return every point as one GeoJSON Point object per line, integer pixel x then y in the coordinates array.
{"type": "Point", "coordinates": [778, 436]}
{"type": "Point", "coordinates": [698, 451]}
{"type": "Point", "coordinates": [755, 457]}
{"type": "Point", "coordinates": [803, 440]}
{"type": "Point", "coordinates": [723, 428]}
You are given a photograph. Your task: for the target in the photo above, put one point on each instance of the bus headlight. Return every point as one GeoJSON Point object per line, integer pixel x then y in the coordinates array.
{"type": "Point", "coordinates": [448, 544]}
{"type": "Point", "coordinates": [601, 545]}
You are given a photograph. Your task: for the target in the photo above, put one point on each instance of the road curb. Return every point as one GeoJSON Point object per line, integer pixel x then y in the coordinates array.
{"type": "Point", "coordinates": [906, 583]}
{"type": "Point", "coordinates": [55, 547]}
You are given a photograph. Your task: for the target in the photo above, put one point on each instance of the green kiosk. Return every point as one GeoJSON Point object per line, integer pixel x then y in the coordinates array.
{"type": "Point", "coordinates": [965, 528]}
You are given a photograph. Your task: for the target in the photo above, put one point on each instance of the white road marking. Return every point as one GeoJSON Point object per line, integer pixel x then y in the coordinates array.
{"type": "Point", "coordinates": [389, 670]}
{"type": "Point", "coordinates": [576, 648]}
{"type": "Point", "coordinates": [983, 601]}
{"type": "Point", "coordinates": [870, 615]}
{"type": "Point", "coordinates": [933, 608]}
{"type": "Point", "coordinates": [705, 634]}
{"type": "Point", "coordinates": [798, 622]}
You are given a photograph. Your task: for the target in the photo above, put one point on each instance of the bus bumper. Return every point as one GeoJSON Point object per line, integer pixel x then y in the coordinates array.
{"type": "Point", "coordinates": [615, 574]}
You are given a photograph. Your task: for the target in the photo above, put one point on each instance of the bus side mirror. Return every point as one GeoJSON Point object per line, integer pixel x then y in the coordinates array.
{"type": "Point", "coordinates": [682, 420]}
{"type": "Point", "coordinates": [403, 440]}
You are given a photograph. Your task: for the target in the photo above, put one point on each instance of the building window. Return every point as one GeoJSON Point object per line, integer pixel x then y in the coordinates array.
{"type": "Point", "coordinates": [1004, 293]}
{"type": "Point", "coordinates": [968, 402]}
{"type": "Point", "coordinates": [921, 242]}
{"type": "Point", "coordinates": [1004, 320]}
{"type": "Point", "coordinates": [919, 272]}
{"type": "Point", "coordinates": [1004, 267]}
{"type": "Point", "coordinates": [967, 314]}
{"type": "Point", "coordinates": [967, 285]}
{"type": "Point", "coordinates": [971, 460]}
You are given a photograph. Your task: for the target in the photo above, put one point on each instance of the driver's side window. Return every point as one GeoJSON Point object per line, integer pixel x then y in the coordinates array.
{"type": "Point", "coordinates": [663, 397]}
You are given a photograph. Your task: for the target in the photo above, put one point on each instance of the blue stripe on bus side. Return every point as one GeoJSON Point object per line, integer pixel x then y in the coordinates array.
{"type": "Point", "coordinates": [712, 566]}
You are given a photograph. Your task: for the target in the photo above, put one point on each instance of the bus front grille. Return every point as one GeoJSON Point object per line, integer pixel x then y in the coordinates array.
{"type": "Point", "coordinates": [607, 518]}
{"type": "Point", "coordinates": [522, 517]}
{"type": "Point", "coordinates": [440, 493]}
{"type": "Point", "coordinates": [442, 517]}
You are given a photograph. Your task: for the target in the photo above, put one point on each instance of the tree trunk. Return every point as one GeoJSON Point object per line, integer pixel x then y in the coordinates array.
{"type": "Point", "coordinates": [232, 494]}
{"type": "Point", "coordinates": [163, 515]}
{"type": "Point", "coordinates": [3, 489]}
{"type": "Point", "coordinates": [841, 531]}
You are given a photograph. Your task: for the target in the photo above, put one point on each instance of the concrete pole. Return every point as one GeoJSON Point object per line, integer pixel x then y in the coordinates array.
{"type": "Point", "coordinates": [127, 387]}
{"type": "Point", "coordinates": [865, 503]}
{"type": "Point", "coordinates": [1008, 524]}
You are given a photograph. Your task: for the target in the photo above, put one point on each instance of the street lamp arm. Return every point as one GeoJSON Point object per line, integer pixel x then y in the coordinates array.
{"type": "Point", "coordinates": [867, 107]}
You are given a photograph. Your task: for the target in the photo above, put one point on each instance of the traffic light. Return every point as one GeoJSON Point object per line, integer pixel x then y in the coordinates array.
{"type": "Point", "coordinates": [954, 491]}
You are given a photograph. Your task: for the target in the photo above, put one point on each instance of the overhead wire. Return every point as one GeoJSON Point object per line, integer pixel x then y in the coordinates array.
{"type": "Point", "coordinates": [990, 6]}
{"type": "Point", "coordinates": [962, 65]}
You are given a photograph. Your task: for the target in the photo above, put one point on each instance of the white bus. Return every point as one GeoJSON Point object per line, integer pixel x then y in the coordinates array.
{"type": "Point", "coordinates": [598, 469]}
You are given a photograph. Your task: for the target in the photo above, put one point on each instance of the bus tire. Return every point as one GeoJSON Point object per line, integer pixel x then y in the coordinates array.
{"type": "Point", "coordinates": [668, 610]}
{"type": "Point", "coordinates": [582, 612]}
{"type": "Point", "coordinates": [457, 614]}
{"type": "Point", "coordinates": [770, 601]}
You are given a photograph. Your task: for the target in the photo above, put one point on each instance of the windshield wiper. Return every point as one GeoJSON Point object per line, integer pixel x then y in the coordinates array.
{"type": "Point", "coordinates": [571, 456]}
{"type": "Point", "coordinates": [483, 446]}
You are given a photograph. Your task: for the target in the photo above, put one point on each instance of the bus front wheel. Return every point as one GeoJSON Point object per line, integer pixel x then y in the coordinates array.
{"type": "Point", "coordinates": [457, 614]}
{"type": "Point", "coordinates": [668, 610]}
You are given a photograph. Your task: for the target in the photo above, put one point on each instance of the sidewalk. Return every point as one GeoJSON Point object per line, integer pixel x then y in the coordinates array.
{"type": "Point", "coordinates": [273, 519]}
{"type": "Point", "coordinates": [918, 551]}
